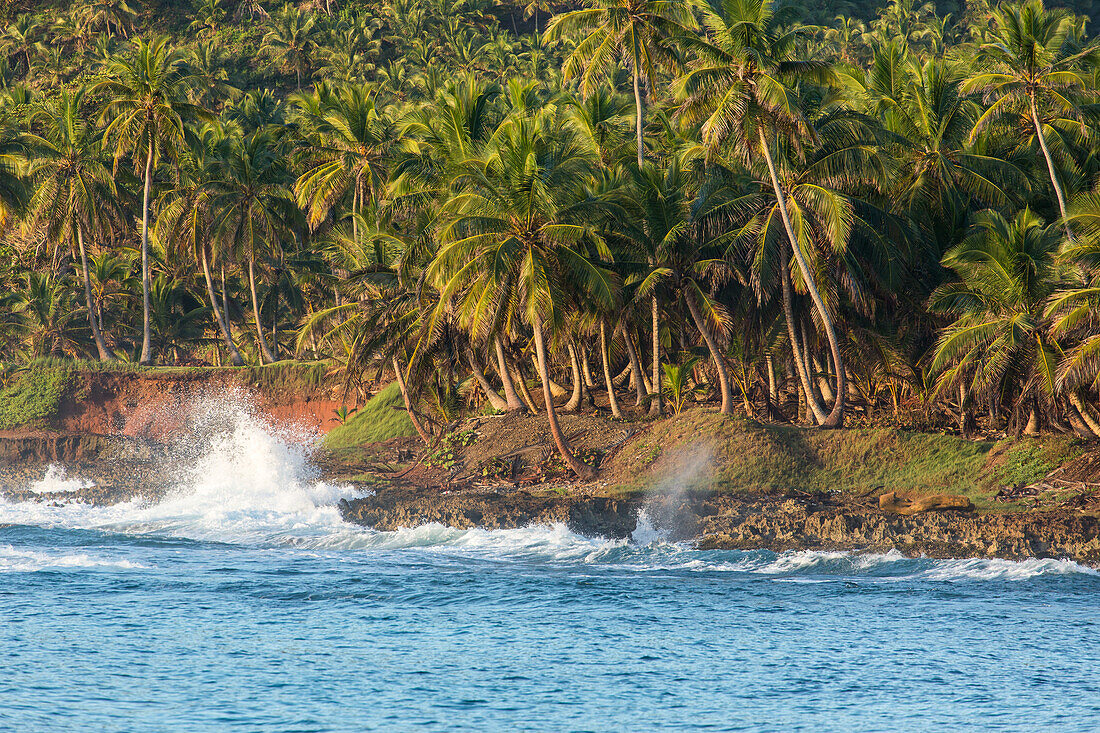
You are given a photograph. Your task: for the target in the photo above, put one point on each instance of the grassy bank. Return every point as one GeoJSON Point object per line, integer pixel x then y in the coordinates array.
{"type": "Point", "coordinates": [705, 450]}
{"type": "Point", "coordinates": [382, 418]}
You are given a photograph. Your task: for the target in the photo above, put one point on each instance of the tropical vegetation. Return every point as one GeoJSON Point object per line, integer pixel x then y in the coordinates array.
{"type": "Point", "coordinates": [818, 213]}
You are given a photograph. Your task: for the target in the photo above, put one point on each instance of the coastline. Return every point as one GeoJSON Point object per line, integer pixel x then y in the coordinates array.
{"type": "Point", "coordinates": [116, 469]}
{"type": "Point", "coordinates": [698, 477]}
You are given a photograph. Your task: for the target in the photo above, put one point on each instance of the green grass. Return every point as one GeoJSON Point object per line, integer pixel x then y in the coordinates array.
{"type": "Point", "coordinates": [33, 396]}
{"type": "Point", "coordinates": [748, 458]}
{"type": "Point", "coordinates": [376, 421]}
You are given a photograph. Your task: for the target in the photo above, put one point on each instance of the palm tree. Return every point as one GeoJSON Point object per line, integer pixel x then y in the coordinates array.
{"type": "Point", "coordinates": [253, 208]}
{"type": "Point", "coordinates": [641, 32]}
{"type": "Point", "coordinates": [347, 142]}
{"type": "Point", "coordinates": [999, 344]}
{"type": "Point", "coordinates": [45, 310]}
{"type": "Point", "coordinates": [186, 219]}
{"type": "Point", "coordinates": [662, 232]}
{"type": "Point", "coordinates": [74, 193]}
{"type": "Point", "coordinates": [147, 113]}
{"type": "Point", "coordinates": [1031, 63]}
{"type": "Point", "coordinates": [519, 238]}
{"type": "Point", "coordinates": [21, 38]}
{"type": "Point", "coordinates": [739, 91]}
{"type": "Point", "coordinates": [289, 35]}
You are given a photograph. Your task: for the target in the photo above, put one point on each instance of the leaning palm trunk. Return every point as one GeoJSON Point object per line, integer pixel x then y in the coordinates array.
{"type": "Point", "coordinates": [715, 353]}
{"type": "Point", "coordinates": [1050, 163]}
{"type": "Point", "coordinates": [408, 403]}
{"type": "Point", "coordinates": [815, 409]}
{"type": "Point", "coordinates": [638, 108]}
{"type": "Point", "coordinates": [636, 368]}
{"type": "Point", "coordinates": [1083, 410]}
{"type": "Point", "coordinates": [234, 355]}
{"type": "Point", "coordinates": [100, 344]}
{"type": "Point", "coordinates": [524, 390]}
{"type": "Point", "coordinates": [146, 298]}
{"type": "Point", "coordinates": [582, 470]}
{"type": "Point", "coordinates": [605, 358]}
{"type": "Point", "coordinates": [512, 401]}
{"type": "Point", "coordinates": [835, 419]}
{"type": "Point", "coordinates": [656, 407]}
{"type": "Point", "coordinates": [264, 351]}
{"type": "Point", "coordinates": [578, 380]}
{"type": "Point", "coordinates": [491, 394]}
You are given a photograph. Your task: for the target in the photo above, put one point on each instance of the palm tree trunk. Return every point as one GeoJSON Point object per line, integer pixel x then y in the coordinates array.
{"type": "Point", "coordinates": [822, 381]}
{"type": "Point", "coordinates": [555, 388]}
{"type": "Point", "coordinates": [835, 419]}
{"type": "Point", "coordinates": [586, 370]}
{"type": "Point", "coordinates": [1050, 163]}
{"type": "Point", "coordinates": [265, 352]}
{"type": "Point", "coordinates": [100, 345]}
{"type": "Point", "coordinates": [146, 300]}
{"type": "Point", "coordinates": [635, 367]}
{"type": "Point", "coordinates": [612, 400]}
{"type": "Point", "coordinates": [234, 355]}
{"type": "Point", "coordinates": [814, 408]}
{"type": "Point", "coordinates": [715, 353]}
{"type": "Point", "coordinates": [225, 306]}
{"type": "Point", "coordinates": [582, 470]}
{"type": "Point", "coordinates": [408, 403]}
{"type": "Point", "coordinates": [513, 403]}
{"type": "Point", "coordinates": [525, 390]}
{"type": "Point", "coordinates": [656, 406]}
{"type": "Point", "coordinates": [1083, 410]}
{"type": "Point", "coordinates": [773, 386]}
{"type": "Point", "coordinates": [639, 111]}
{"type": "Point", "coordinates": [578, 380]}
{"type": "Point", "coordinates": [495, 399]}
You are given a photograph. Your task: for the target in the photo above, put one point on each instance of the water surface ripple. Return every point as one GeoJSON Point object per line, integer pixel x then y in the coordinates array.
{"type": "Point", "coordinates": [241, 602]}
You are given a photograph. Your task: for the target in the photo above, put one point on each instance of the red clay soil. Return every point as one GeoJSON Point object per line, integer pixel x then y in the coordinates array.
{"type": "Point", "coordinates": [150, 405]}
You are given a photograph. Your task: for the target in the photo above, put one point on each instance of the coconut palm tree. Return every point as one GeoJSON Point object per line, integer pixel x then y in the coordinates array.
{"type": "Point", "coordinates": [185, 220]}
{"type": "Point", "coordinates": [347, 142]}
{"type": "Point", "coordinates": [661, 232]}
{"type": "Point", "coordinates": [74, 194]}
{"type": "Point", "coordinates": [290, 36]}
{"type": "Point", "coordinates": [642, 33]}
{"type": "Point", "coordinates": [740, 92]}
{"type": "Point", "coordinates": [1030, 66]}
{"type": "Point", "coordinates": [998, 344]}
{"type": "Point", "coordinates": [519, 238]}
{"type": "Point", "coordinates": [253, 208]}
{"type": "Point", "coordinates": [147, 114]}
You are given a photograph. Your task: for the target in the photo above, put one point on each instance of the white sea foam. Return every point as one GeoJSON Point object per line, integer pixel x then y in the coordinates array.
{"type": "Point", "coordinates": [57, 480]}
{"type": "Point", "coordinates": [996, 569]}
{"type": "Point", "coordinates": [13, 560]}
{"type": "Point", "coordinates": [242, 480]}
{"type": "Point", "coordinates": [237, 478]}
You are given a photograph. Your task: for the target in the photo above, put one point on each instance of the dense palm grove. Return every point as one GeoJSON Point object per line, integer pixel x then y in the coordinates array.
{"type": "Point", "coordinates": [892, 218]}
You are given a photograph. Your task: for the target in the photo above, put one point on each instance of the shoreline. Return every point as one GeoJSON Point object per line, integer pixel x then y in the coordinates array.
{"type": "Point", "coordinates": [122, 469]}
{"type": "Point", "coordinates": [779, 524]}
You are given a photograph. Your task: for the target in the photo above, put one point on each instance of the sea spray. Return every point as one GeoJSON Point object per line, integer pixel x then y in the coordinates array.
{"type": "Point", "coordinates": [665, 516]}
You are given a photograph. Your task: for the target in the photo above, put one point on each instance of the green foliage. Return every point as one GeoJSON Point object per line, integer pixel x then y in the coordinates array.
{"type": "Point", "coordinates": [677, 376]}
{"type": "Point", "coordinates": [34, 396]}
{"type": "Point", "coordinates": [382, 418]}
{"type": "Point", "coordinates": [443, 455]}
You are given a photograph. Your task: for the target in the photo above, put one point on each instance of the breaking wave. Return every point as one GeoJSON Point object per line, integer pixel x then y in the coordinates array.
{"type": "Point", "coordinates": [238, 479]}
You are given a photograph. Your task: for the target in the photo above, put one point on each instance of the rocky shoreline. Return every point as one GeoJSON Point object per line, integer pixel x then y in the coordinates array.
{"type": "Point", "coordinates": [118, 469]}
{"type": "Point", "coordinates": [719, 522]}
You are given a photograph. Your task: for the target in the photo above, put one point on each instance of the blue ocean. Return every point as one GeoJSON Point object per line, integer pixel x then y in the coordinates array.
{"type": "Point", "coordinates": [240, 601]}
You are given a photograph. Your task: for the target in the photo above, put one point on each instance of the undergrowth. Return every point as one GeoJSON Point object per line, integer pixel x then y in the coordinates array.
{"type": "Point", "coordinates": [33, 396]}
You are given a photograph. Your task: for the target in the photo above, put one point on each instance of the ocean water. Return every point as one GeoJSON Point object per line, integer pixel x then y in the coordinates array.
{"type": "Point", "coordinates": [241, 602]}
